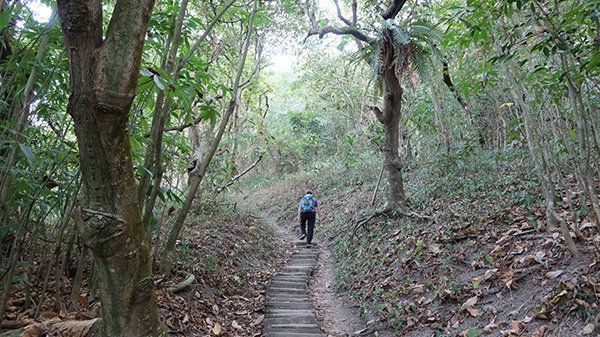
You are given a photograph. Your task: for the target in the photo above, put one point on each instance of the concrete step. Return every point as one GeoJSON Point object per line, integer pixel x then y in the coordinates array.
{"type": "Point", "coordinates": [292, 320]}
{"type": "Point", "coordinates": [299, 328]}
{"type": "Point", "coordinates": [272, 307]}
{"type": "Point", "coordinates": [289, 311]}
{"type": "Point", "coordinates": [274, 298]}
{"type": "Point", "coordinates": [285, 290]}
{"type": "Point", "coordinates": [294, 334]}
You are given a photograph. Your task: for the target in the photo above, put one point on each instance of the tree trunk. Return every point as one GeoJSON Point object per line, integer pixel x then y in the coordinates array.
{"type": "Point", "coordinates": [393, 164]}
{"type": "Point", "coordinates": [197, 175]}
{"type": "Point", "coordinates": [390, 118]}
{"type": "Point", "coordinates": [104, 75]}
{"type": "Point", "coordinates": [533, 144]}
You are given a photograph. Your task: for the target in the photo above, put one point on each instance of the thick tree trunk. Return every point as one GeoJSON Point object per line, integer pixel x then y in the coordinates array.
{"type": "Point", "coordinates": [390, 118]}
{"type": "Point", "coordinates": [103, 79]}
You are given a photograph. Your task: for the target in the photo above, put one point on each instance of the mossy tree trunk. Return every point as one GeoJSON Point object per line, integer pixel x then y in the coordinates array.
{"type": "Point", "coordinates": [104, 73]}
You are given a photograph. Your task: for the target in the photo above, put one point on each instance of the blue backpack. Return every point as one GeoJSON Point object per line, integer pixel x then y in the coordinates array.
{"type": "Point", "coordinates": [307, 204]}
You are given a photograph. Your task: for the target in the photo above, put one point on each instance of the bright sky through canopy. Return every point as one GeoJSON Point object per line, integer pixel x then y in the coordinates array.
{"type": "Point", "coordinates": [41, 12]}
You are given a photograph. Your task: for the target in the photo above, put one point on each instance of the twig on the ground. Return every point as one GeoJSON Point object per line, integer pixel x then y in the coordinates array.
{"type": "Point", "coordinates": [419, 216]}
{"type": "Point", "coordinates": [16, 324]}
{"type": "Point", "coordinates": [455, 239]}
{"type": "Point", "coordinates": [372, 327]}
{"type": "Point", "coordinates": [526, 232]}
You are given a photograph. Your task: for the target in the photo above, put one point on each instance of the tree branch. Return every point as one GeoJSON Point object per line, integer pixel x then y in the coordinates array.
{"type": "Point", "coordinates": [448, 81]}
{"type": "Point", "coordinates": [337, 31]}
{"type": "Point", "coordinates": [208, 29]}
{"type": "Point", "coordinates": [349, 30]}
{"type": "Point", "coordinates": [236, 178]}
{"type": "Point", "coordinates": [257, 59]}
{"type": "Point", "coordinates": [378, 113]}
{"type": "Point", "coordinates": [393, 10]}
{"type": "Point", "coordinates": [189, 279]}
{"type": "Point", "coordinates": [339, 14]}
{"type": "Point", "coordinates": [264, 115]}
{"type": "Point", "coordinates": [121, 78]}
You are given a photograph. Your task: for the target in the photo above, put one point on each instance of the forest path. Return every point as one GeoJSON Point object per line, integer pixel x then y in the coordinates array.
{"type": "Point", "coordinates": [289, 310]}
{"type": "Point", "coordinates": [302, 300]}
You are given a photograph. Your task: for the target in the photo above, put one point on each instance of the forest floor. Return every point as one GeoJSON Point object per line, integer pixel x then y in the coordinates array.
{"type": "Point", "coordinates": [478, 264]}
{"type": "Point", "coordinates": [474, 260]}
{"type": "Point", "coordinates": [232, 256]}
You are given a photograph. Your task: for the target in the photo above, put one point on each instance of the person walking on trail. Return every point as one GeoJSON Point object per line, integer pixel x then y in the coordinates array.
{"type": "Point", "coordinates": [308, 210]}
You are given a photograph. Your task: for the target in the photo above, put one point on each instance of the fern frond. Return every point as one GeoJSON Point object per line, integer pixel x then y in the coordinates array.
{"type": "Point", "coordinates": [420, 60]}
{"type": "Point", "coordinates": [369, 54]}
{"type": "Point", "coordinates": [424, 31]}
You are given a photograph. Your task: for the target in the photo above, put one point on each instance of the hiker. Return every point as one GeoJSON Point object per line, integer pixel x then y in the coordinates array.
{"type": "Point", "coordinates": [308, 210]}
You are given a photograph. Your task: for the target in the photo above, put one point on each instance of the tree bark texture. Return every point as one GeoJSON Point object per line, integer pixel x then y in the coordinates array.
{"type": "Point", "coordinates": [104, 75]}
{"type": "Point", "coordinates": [390, 118]}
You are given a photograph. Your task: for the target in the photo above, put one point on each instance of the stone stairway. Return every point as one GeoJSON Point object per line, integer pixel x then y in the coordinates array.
{"type": "Point", "coordinates": [289, 311]}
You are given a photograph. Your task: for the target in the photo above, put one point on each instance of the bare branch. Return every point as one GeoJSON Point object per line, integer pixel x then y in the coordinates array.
{"type": "Point", "coordinates": [257, 60]}
{"type": "Point", "coordinates": [338, 31]}
{"type": "Point", "coordinates": [378, 113]}
{"type": "Point", "coordinates": [339, 14]}
{"type": "Point", "coordinates": [248, 169]}
{"type": "Point", "coordinates": [264, 115]}
{"type": "Point", "coordinates": [189, 279]}
{"type": "Point", "coordinates": [448, 81]}
{"type": "Point", "coordinates": [349, 30]}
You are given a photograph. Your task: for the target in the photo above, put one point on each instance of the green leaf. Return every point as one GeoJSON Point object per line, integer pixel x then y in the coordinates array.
{"type": "Point", "coordinates": [473, 332]}
{"type": "Point", "coordinates": [594, 61]}
{"type": "Point", "coordinates": [145, 72]}
{"type": "Point", "coordinates": [158, 82]}
{"type": "Point", "coordinates": [28, 154]}
{"type": "Point", "coordinates": [4, 17]}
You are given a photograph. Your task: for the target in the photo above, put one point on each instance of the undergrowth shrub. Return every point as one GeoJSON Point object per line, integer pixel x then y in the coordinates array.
{"type": "Point", "coordinates": [462, 189]}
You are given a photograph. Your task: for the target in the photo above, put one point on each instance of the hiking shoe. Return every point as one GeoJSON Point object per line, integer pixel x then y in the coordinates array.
{"type": "Point", "coordinates": [303, 236]}
{"type": "Point", "coordinates": [308, 245]}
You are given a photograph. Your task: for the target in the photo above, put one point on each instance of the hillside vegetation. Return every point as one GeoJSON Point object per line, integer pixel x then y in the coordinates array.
{"type": "Point", "coordinates": [471, 259]}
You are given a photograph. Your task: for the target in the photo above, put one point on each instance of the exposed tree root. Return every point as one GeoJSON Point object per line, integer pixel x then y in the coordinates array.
{"type": "Point", "coordinates": [390, 213]}
{"type": "Point", "coordinates": [189, 279]}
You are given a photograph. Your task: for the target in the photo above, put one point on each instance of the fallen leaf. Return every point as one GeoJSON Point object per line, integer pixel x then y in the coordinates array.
{"type": "Point", "coordinates": [588, 329]}
{"type": "Point", "coordinates": [258, 320]}
{"type": "Point", "coordinates": [435, 248]}
{"type": "Point", "coordinates": [217, 329]}
{"type": "Point", "coordinates": [235, 325]}
{"type": "Point", "coordinates": [491, 326]}
{"type": "Point", "coordinates": [554, 274]}
{"type": "Point", "coordinates": [489, 273]}
{"type": "Point", "coordinates": [469, 305]}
